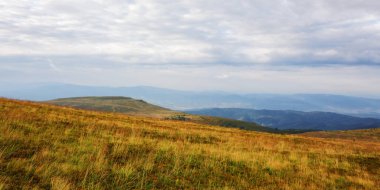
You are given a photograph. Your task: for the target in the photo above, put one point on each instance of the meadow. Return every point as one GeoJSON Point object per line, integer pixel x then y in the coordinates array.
{"type": "Point", "coordinates": [372, 135]}
{"type": "Point", "coordinates": [50, 147]}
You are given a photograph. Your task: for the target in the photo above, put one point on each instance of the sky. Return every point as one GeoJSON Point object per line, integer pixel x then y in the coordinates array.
{"type": "Point", "coordinates": [245, 46]}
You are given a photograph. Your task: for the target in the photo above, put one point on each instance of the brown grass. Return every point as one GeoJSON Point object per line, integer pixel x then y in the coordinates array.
{"type": "Point", "coordinates": [372, 135]}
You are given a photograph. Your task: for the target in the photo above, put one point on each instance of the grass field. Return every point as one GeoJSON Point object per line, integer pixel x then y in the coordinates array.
{"type": "Point", "coordinates": [372, 135]}
{"type": "Point", "coordinates": [49, 147]}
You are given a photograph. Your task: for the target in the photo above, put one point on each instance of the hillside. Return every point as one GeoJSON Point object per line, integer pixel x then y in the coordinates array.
{"type": "Point", "coordinates": [362, 134]}
{"type": "Point", "coordinates": [132, 106]}
{"type": "Point", "coordinates": [50, 147]}
{"type": "Point", "coordinates": [287, 119]}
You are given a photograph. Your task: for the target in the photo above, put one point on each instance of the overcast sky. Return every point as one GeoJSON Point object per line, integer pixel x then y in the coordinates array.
{"type": "Point", "coordinates": [261, 46]}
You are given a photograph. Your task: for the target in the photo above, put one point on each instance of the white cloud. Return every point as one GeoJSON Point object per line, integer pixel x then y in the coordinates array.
{"type": "Point", "coordinates": [327, 53]}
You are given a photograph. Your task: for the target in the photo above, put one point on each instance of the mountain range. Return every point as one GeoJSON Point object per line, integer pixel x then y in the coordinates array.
{"type": "Point", "coordinates": [182, 100]}
{"type": "Point", "coordinates": [288, 119]}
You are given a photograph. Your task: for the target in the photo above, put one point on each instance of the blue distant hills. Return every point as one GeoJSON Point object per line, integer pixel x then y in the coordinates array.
{"type": "Point", "coordinates": [184, 100]}
{"type": "Point", "coordinates": [288, 119]}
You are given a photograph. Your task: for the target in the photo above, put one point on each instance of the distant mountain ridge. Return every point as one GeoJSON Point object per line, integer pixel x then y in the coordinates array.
{"type": "Point", "coordinates": [182, 100]}
{"type": "Point", "coordinates": [287, 119]}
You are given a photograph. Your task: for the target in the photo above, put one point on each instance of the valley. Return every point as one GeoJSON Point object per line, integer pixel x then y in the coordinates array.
{"type": "Point", "coordinates": [289, 119]}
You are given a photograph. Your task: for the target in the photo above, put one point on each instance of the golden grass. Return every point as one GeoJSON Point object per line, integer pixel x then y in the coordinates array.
{"type": "Point", "coordinates": [372, 135]}
{"type": "Point", "coordinates": [50, 147]}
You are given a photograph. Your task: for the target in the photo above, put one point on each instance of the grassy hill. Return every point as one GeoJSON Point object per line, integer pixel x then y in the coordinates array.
{"type": "Point", "coordinates": [115, 104]}
{"type": "Point", "coordinates": [132, 106]}
{"type": "Point", "coordinates": [49, 147]}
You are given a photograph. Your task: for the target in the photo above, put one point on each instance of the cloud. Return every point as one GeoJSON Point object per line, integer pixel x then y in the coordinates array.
{"type": "Point", "coordinates": [222, 76]}
{"type": "Point", "coordinates": [251, 45]}
{"type": "Point", "coordinates": [148, 31]}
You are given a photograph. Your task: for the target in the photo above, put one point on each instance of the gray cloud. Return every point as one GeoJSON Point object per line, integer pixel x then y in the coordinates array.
{"type": "Point", "coordinates": [150, 31]}
{"type": "Point", "coordinates": [224, 42]}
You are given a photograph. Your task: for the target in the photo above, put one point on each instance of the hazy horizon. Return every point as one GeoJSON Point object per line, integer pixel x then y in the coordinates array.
{"type": "Point", "coordinates": [9, 87]}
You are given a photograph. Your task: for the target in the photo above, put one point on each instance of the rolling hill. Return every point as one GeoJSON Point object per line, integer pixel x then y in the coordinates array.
{"type": "Point", "coordinates": [286, 119]}
{"type": "Point", "coordinates": [115, 104]}
{"type": "Point", "coordinates": [44, 146]}
{"type": "Point", "coordinates": [141, 108]}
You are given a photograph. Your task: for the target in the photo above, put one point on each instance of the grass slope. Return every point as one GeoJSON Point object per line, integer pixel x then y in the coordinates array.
{"type": "Point", "coordinates": [362, 134]}
{"type": "Point", "coordinates": [49, 147]}
{"type": "Point", "coordinates": [132, 106]}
